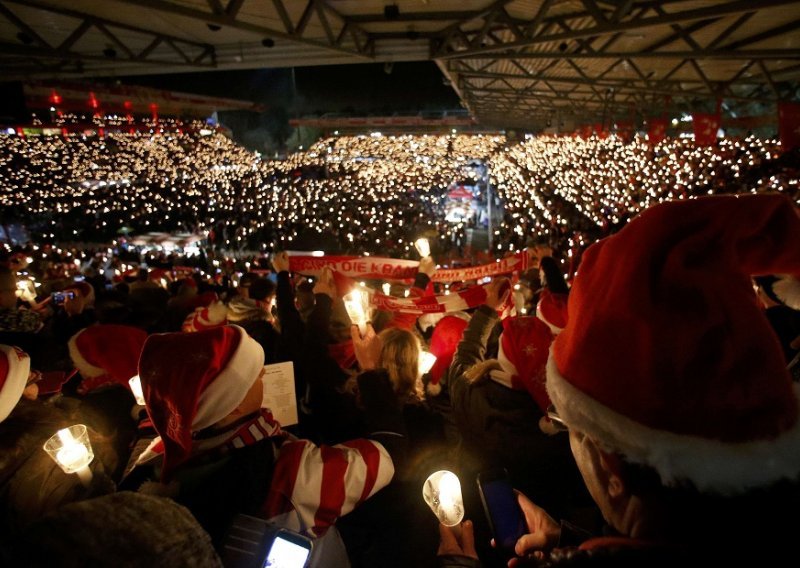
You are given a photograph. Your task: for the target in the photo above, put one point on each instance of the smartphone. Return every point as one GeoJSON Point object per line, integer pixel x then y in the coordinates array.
{"type": "Point", "coordinates": [288, 550]}
{"type": "Point", "coordinates": [59, 297]}
{"type": "Point", "coordinates": [252, 542]}
{"type": "Point", "coordinates": [500, 504]}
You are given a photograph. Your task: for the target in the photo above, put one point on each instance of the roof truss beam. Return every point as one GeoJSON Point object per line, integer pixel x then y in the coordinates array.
{"type": "Point", "coordinates": [296, 33]}
{"type": "Point", "coordinates": [450, 48]}
{"type": "Point", "coordinates": [65, 51]}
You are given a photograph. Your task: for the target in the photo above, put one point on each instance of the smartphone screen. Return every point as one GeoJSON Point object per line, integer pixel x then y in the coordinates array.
{"type": "Point", "coordinates": [288, 551]}
{"type": "Point", "coordinates": [502, 509]}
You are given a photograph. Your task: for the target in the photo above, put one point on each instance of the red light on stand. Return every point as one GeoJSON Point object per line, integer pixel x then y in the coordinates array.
{"type": "Point", "coordinates": [55, 98]}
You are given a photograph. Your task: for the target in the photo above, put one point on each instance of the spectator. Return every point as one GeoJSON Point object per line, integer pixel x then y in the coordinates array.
{"type": "Point", "coordinates": [204, 395]}
{"type": "Point", "coordinates": [682, 416]}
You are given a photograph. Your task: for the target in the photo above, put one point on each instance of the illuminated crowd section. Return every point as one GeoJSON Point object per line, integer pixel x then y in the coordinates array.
{"type": "Point", "coordinates": [367, 194]}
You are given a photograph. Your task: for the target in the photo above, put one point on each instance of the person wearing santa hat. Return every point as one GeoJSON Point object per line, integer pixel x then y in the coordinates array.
{"type": "Point", "coordinates": [682, 416]}
{"type": "Point", "coordinates": [31, 483]}
{"type": "Point", "coordinates": [496, 405]}
{"type": "Point", "coordinates": [220, 453]}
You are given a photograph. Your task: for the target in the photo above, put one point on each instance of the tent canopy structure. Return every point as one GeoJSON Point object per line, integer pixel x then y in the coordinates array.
{"type": "Point", "coordinates": [520, 63]}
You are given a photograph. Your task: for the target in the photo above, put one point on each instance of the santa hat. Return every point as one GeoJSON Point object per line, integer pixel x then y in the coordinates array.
{"type": "Point", "coordinates": [15, 366]}
{"type": "Point", "coordinates": [669, 360]}
{"type": "Point", "coordinates": [106, 354]}
{"type": "Point", "coordinates": [192, 381]}
{"type": "Point", "coordinates": [522, 353]}
{"type": "Point", "coordinates": [213, 315]}
{"type": "Point", "coordinates": [552, 310]}
{"type": "Point", "coordinates": [445, 339]}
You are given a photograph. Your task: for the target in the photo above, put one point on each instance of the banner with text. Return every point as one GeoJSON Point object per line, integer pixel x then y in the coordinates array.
{"type": "Point", "coordinates": [368, 267]}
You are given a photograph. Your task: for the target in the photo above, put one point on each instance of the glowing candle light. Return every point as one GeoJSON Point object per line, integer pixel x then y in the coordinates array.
{"type": "Point", "coordinates": [442, 493]}
{"type": "Point", "coordinates": [357, 304]}
{"type": "Point", "coordinates": [423, 247]}
{"type": "Point", "coordinates": [426, 361]}
{"type": "Point", "coordinates": [136, 388]}
{"type": "Point", "coordinates": [71, 450]}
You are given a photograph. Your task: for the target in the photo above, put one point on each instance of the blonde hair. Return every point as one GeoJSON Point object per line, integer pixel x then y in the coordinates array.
{"type": "Point", "coordinates": [400, 358]}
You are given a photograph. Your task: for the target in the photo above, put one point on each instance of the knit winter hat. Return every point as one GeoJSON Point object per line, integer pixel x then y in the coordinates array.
{"type": "Point", "coordinates": [667, 357]}
{"type": "Point", "coordinates": [444, 341]}
{"type": "Point", "coordinates": [193, 380]}
{"type": "Point", "coordinates": [552, 310]}
{"type": "Point", "coordinates": [15, 366]}
{"type": "Point", "coordinates": [522, 353]}
{"type": "Point", "coordinates": [106, 354]}
{"type": "Point", "coordinates": [119, 529]}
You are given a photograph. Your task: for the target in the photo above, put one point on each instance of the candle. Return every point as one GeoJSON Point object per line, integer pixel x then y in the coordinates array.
{"type": "Point", "coordinates": [71, 450]}
{"type": "Point", "coordinates": [72, 455]}
{"type": "Point", "coordinates": [387, 288]}
{"type": "Point", "coordinates": [442, 493]}
{"type": "Point", "coordinates": [426, 361]}
{"type": "Point", "coordinates": [136, 388]}
{"type": "Point", "coordinates": [357, 303]}
{"type": "Point", "coordinates": [423, 247]}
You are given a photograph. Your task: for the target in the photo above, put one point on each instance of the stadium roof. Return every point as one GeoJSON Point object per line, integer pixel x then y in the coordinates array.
{"type": "Point", "coordinates": [512, 62]}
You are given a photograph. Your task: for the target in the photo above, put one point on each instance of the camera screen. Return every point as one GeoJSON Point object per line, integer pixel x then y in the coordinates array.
{"type": "Point", "coordinates": [286, 554]}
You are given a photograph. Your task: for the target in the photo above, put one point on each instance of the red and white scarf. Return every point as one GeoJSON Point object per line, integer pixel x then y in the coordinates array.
{"type": "Point", "coordinates": [375, 268]}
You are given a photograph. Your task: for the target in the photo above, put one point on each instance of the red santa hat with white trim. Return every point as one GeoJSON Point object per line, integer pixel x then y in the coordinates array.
{"type": "Point", "coordinates": [444, 341]}
{"type": "Point", "coordinates": [552, 310]}
{"type": "Point", "coordinates": [192, 381]}
{"type": "Point", "coordinates": [668, 358]}
{"type": "Point", "coordinates": [15, 366]}
{"type": "Point", "coordinates": [522, 353]}
{"type": "Point", "coordinates": [106, 354]}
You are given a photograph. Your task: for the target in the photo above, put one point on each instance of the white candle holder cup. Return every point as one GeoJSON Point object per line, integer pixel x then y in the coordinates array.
{"type": "Point", "coordinates": [426, 361]}
{"type": "Point", "coordinates": [71, 449]}
{"type": "Point", "coordinates": [423, 247]}
{"type": "Point", "coordinates": [442, 493]}
{"type": "Point", "coordinates": [356, 303]}
{"type": "Point", "coordinates": [136, 388]}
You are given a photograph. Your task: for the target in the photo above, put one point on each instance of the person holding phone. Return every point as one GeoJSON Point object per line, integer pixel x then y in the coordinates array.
{"type": "Point", "coordinates": [682, 416]}
{"type": "Point", "coordinates": [221, 454]}
{"type": "Point", "coordinates": [496, 386]}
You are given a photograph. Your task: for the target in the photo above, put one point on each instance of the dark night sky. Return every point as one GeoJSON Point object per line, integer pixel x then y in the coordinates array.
{"type": "Point", "coordinates": [357, 89]}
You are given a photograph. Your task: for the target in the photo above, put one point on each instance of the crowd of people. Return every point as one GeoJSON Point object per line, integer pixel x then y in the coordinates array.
{"type": "Point", "coordinates": [357, 194]}
{"type": "Point", "coordinates": [644, 415]}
